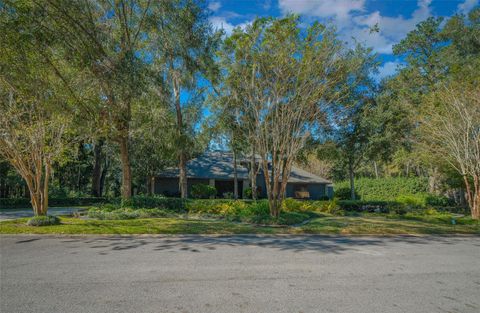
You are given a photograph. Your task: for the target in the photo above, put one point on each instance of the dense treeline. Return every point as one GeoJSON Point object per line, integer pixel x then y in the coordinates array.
{"type": "Point", "coordinates": [96, 97]}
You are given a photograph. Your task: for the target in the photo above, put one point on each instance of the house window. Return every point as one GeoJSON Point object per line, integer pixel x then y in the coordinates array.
{"type": "Point", "coordinates": [301, 191]}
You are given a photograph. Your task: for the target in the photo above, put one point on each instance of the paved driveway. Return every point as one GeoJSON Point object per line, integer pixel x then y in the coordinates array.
{"type": "Point", "coordinates": [240, 274]}
{"type": "Point", "coordinates": [10, 214]}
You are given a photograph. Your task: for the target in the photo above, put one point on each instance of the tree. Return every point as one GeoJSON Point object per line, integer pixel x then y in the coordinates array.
{"type": "Point", "coordinates": [283, 81]}
{"type": "Point", "coordinates": [102, 41]}
{"type": "Point", "coordinates": [183, 47]}
{"type": "Point", "coordinates": [451, 128]}
{"type": "Point", "coordinates": [34, 117]}
{"type": "Point", "coordinates": [436, 52]}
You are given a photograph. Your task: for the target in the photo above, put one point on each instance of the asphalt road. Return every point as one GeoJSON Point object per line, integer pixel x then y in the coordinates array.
{"type": "Point", "coordinates": [240, 274]}
{"type": "Point", "coordinates": [10, 214]}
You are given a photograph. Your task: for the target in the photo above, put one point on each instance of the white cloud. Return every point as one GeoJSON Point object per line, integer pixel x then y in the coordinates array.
{"type": "Point", "coordinates": [220, 22]}
{"type": "Point", "coordinates": [466, 6]}
{"type": "Point", "coordinates": [392, 29]}
{"type": "Point", "coordinates": [388, 69]}
{"type": "Point", "coordinates": [351, 20]}
{"type": "Point", "coordinates": [341, 9]}
{"type": "Point", "coordinates": [214, 6]}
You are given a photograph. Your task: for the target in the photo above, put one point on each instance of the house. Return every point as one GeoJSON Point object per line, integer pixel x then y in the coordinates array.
{"type": "Point", "coordinates": [216, 169]}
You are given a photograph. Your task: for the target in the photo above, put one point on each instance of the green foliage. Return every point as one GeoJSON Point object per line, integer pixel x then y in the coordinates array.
{"type": "Point", "coordinates": [203, 191]}
{"type": "Point", "coordinates": [43, 220]}
{"type": "Point", "coordinates": [150, 202]}
{"type": "Point", "coordinates": [385, 189]}
{"type": "Point", "coordinates": [109, 213]}
{"type": "Point", "coordinates": [256, 212]}
{"type": "Point", "coordinates": [343, 193]}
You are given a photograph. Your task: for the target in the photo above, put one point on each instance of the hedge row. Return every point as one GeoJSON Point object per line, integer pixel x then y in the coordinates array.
{"type": "Point", "coordinates": [412, 191]}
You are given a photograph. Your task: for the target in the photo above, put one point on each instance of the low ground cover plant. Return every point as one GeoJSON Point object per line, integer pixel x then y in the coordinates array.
{"type": "Point", "coordinates": [43, 220]}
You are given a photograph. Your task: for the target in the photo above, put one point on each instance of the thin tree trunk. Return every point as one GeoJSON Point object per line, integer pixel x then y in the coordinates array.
{"type": "Point", "coordinates": [102, 178]}
{"type": "Point", "coordinates": [97, 170]}
{"type": "Point", "coordinates": [151, 185]}
{"type": "Point", "coordinates": [183, 184]}
{"type": "Point", "coordinates": [433, 180]}
{"type": "Point", "coordinates": [235, 176]}
{"type": "Point", "coordinates": [376, 169]}
{"type": "Point", "coordinates": [352, 182]}
{"type": "Point", "coordinates": [253, 175]}
{"type": "Point", "coordinates": [126, 170]}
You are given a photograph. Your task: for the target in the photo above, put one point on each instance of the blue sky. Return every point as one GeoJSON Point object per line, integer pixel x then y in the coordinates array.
{"type": "Point", "coordinates": [353, 18]}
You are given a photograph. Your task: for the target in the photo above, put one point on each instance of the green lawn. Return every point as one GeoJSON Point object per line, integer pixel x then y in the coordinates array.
{"type": "Point", "coordinates": [357, 225]}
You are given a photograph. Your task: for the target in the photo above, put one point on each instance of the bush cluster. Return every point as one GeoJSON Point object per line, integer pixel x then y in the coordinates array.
{"type": "Point", "coordinates": [114, 213]}
{"type": "Point", "coordinates": [43, 220]}
{"type": "Point", "coordinates": [153, 202]}
{"type": "Point", "coordinates": [409, 191]}
{"type": "Point", "coordinates": [249, 211]}
{"type": "Point", "coordinates": [203, 191]}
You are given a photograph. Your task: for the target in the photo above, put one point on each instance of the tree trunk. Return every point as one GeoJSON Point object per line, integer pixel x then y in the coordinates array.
{"type": "Point", "coordinates": [253, 175]}
{"type": "Point", "coordinates": [183, 184]}
{"type": "Point", "coordinates": [352, 182]}
{"type": "Point", "coordinates": [376, 169]}
{"type": "Point", "coordinates": [182, 164]}
{"type": "Point", "coordinates": [151, 185]}
{"type": "Point", "coordinates": [235, 176]}
{"type": "Point", "coordinates": [473, 196]}
{"type": "Point", "coordinates": [102, 178]}
{"type": "Point", "coordinates": [126, 170]}
{"type": "Point", "coordinates": [433, 180]}
{"type": "Point", "coordinates": [97, 170]}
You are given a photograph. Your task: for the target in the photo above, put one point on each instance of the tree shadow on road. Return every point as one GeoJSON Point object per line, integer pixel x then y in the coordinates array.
{"type": "Point", "coordinates": [295, 243]}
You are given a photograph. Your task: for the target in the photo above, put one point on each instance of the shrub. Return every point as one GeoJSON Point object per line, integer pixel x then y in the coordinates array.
{"type": "Point", "coordinates": [435, 200]}
{"type": "Point", "coordinates": [343, 193]}
{"type": "Point", "coordinates": [43, 220]}
{"type": "Point", "coordinates": [384, 189]}
{"type": "Point", "coordinates": [248, 193]}
{"type": "Point", "coordinates": [228, 195]}
{"type": "Point", "coordinates": [203, 191]}
{"type": "Point", "coordinates": [125, 213]}
{"type": "Point", "coordinates": [411, 200]}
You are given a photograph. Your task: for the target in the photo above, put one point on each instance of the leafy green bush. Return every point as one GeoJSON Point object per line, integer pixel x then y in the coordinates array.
{"type": "Point", "coordinates": [412, 201]}
{"type": "Point", "coordinates": [248, 193]}
{"type": "Point", "coordinates": [438, 201]}
{"type": "Point", "coordinates": [384, 189]}
{"type": "Point", "coordinates": [106, 213]}
{"type": "Point", "coordinates": [43, 220]}
{"type": "Point", "coordinates": [152, 202]}
{"type": "Point", "coordinates": [203, 191]}
{"type": "Point", "coordinates": [344, 193]}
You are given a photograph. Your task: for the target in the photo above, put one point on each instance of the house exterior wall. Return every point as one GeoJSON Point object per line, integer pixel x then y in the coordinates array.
{"type": "Point", "coordinates": [316, 191]}
{"type": "Point", "coordinates": [169, 186]}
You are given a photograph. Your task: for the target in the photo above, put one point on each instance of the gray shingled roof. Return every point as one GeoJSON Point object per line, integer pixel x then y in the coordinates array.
{"type": "Point", "coordinates": [219, 165]}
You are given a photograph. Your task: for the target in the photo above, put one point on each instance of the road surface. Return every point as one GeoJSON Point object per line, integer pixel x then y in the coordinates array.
{"type": "Point", "coordinates": [10, 214]}
{"type": "Point", "coordinates": [248, 273]}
